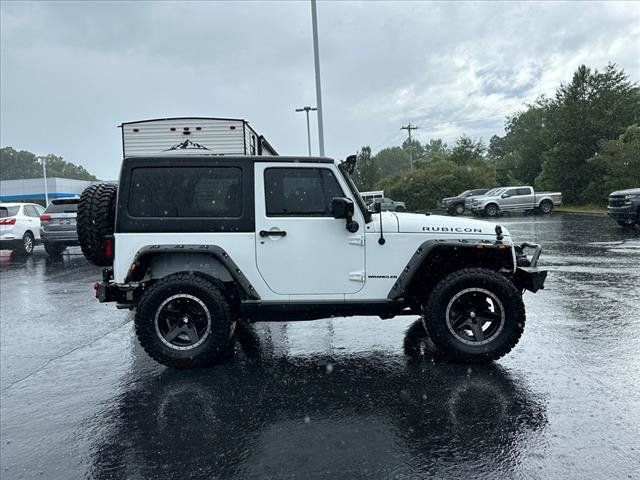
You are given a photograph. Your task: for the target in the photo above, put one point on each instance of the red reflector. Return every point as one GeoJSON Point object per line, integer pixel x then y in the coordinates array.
{"type": "Point", "coordinates": [173, 129]}
{"type": "Point", "coordinates": [45, 217]}
{"type": "Point", "coordinates": [136, 130]}
{"type": "Point", "coordinates": [108, 247]}
{"type": "Point", "coordinates": [8, 221]}
{"type": "Point", "coordinates": [232, 127]}
{"type": "Point", "coordinates": [95, 286]}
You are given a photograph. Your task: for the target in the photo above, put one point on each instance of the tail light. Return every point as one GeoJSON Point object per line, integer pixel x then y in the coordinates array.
{"type": "Point", "coordinates": [108, 247]}
{"type": "Point", "coordinates": [45, 217]}
{"type": "Point", "coordinates": [8, 221]}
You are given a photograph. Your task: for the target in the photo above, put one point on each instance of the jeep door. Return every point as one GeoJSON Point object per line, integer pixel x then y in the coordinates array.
{"type": "Point", "coordinates": [300, 248]}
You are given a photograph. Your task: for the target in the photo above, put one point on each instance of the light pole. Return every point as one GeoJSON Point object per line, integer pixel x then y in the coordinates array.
{"type": "Point", "coordinates": [316, 59]}
{"type": "Point", "coordinates": [307, 110]}
{"type": "Point", "coordinates": [44, 175]}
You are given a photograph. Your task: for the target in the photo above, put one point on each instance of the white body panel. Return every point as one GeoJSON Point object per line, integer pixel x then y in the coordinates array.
{"type": "Point", "coordinates": [24, 223]}
{"type": "Point", "coordinates": [219, 136]}
{"type": "Point", "coordinates": [318, 259]}
{"type": "Point", "coordinates": [318, 256]}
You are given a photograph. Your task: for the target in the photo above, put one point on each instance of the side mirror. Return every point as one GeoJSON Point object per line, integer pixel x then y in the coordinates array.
{"type": "Point", "coordinates": [342, 207]}
{"type": "Point", "coordinates": [377, 207]}
{"type": "Point", "coordinates": [505, 195]}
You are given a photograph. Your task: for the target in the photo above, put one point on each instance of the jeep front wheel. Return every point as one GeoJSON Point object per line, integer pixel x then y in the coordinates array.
{"type": "Point", "coordinates": [474, 315]}
{"type": "Point", "coordinates": [184, 321]}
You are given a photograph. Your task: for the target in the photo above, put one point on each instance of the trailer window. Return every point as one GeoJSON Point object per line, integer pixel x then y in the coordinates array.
{"type": "Point", "coordinates": [188, 192]}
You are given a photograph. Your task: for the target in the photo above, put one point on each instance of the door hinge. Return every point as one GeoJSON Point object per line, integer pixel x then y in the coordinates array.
{"type": "Point", "coordinates": [356, 240]}
{"type": "Point", "coordinates": [356, 276]}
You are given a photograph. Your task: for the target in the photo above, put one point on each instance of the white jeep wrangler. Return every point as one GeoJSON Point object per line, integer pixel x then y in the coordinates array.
{"type": "Point", "coordinates": [195, 243]}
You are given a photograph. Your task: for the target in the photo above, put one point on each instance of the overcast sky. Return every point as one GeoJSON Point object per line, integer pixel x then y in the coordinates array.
{"type": "Point", "coordinates": [70, 73]}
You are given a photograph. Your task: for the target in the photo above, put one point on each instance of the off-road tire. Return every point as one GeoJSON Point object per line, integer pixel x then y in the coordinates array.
{"type": "Point", "coordinates": [25, 247]}
{"type": "Point", "coordinates": [52, 249]}
{"type": "Point", "coordinates": [546, 207]}
{"type": "Point", "coordinates": [215, 346]}
{"type": "Point", "coordinates": [435, 321]}
{"type": "Point", "coordinates": [491, 210]}
{"type": "Point", "coordinates": [96, 221]}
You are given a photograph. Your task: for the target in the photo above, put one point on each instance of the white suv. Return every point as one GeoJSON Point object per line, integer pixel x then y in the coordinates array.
{"type": "Point", "coordinates": [197, 243]}
{"type": "Point", "coordinates": [19, 226]}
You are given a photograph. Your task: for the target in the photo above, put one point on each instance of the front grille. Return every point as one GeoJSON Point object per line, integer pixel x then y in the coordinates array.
{"type": "Point", "coordinates": [616, 202]}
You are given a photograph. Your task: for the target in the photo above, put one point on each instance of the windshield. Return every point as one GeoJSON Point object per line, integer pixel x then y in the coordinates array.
{"type": "Point", "coordinates": [466, 193]}
{"type": "Point", "coordinates": [8, 211]}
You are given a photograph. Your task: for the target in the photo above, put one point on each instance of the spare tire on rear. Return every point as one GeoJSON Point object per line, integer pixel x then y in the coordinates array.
{"type": "Point", "coordinates": [96, 222]}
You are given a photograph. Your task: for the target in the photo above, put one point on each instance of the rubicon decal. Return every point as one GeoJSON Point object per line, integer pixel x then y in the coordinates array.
{"type": "Point", "coordinates": [452, 229]}
{"type": "Point", "coordinates": [382, 276]}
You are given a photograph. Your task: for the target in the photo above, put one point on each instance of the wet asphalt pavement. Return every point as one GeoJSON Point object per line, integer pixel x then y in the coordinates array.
{"type": "Point", "coordinates": [332, 398]}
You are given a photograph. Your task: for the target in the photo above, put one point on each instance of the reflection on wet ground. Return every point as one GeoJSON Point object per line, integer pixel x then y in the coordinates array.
{"type": "Point", "coordinates": [342, 398]}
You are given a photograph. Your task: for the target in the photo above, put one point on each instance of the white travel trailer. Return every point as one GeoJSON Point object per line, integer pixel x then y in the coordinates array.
{"type": "Point", "coordinates": [218, 136]}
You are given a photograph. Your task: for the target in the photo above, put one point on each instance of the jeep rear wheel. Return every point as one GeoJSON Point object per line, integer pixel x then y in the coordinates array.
{"type": "Point", "coordinates": [184, 321]}
{"type": "Point", "coordinates": [474, 315]}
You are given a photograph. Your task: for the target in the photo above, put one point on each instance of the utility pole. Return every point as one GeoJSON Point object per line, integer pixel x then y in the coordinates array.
{"type": "Point", "coordinates": [408, 128]}
{"type": "Point", "coordinates": [44, 175]}
{"type": "Point", "coordinates": [316, 59]}
{"type": "Point", "coordinates": [307, 110]}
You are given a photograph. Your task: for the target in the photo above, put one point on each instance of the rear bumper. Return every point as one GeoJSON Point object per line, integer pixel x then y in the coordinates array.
{"type": "Point", "coordinates": [125, 295]}
{"type": "Point", "coordinates": [67, 237]}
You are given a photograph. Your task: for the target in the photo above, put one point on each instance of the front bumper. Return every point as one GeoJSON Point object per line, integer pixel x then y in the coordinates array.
{"type": "Point", "coordinates": [622, 213]}
{"type": "Point", "coordinates": [528, 276]}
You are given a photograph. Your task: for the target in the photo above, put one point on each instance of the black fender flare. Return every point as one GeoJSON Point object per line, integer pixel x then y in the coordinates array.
{"type": "Point", "coordinates": [144, 256]}
{"type": "Point", "coordinates": [428, 248]}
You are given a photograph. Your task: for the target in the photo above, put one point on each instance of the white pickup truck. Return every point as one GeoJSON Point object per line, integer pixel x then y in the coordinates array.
{"type": "Point", "coordinates": [514, 199]}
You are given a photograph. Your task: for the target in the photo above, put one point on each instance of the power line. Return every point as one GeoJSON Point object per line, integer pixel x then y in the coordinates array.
{"type": "Point", "coordinates": [408, 128]}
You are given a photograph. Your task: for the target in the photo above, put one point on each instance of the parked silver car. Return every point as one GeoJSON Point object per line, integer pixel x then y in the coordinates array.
{"type": "Point", "coordinates": [388, 205]}
{"type": "Point", "coordinates": [58, 225]}
{"type": "Point", "coordinates": [515, 199]}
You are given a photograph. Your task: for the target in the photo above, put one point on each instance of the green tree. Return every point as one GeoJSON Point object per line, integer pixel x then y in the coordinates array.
{"type": "Point", "coordinates": [594, 107]}
{"type": "Point", "coordinates": [23, 164]}
{"type": "Point", "coordinates": [392, 160]}
{"type": "Point", "coordinates": [423, 188]}
{"type": "Point", "coordinates": [526, 140]}
{"type": "Point", "coordinates": [467, 152]}
{"type": "Point", "coordinates": [616, 166]}
{"type": "Point", "coordinates": [366, 173]}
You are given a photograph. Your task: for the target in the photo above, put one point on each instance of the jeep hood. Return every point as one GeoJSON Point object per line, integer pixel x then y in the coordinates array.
{"type": "Point", "coordinates": [436, 226]}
